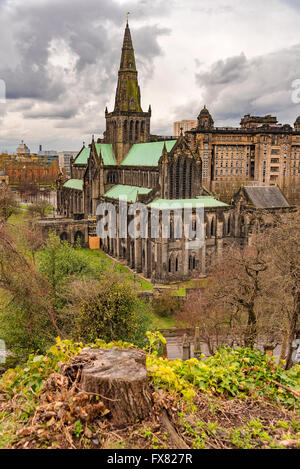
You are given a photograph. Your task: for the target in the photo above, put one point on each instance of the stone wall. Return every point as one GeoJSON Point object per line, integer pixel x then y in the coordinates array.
{"type": "Point", "coordinates": [67, 230]}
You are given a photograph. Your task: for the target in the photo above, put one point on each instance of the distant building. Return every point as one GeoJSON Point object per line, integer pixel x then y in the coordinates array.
{"type": "Point", "coordinates": [23, 149]}
{"type": "Point", "coordinates": [185, 125]}
{"type": "Point", "coordinates": [48, 156]}
{"type": "Point", "coordinates": [261, 151]}
{"type": "Point", "coordinates": [65, 158]}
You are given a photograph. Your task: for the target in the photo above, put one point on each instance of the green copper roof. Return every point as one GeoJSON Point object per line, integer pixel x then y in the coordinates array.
{"type": "Point", "coordinates": [130, 192]}
{"type": "Point", "coordinates": [167, 204]}
{"type": "Point", "coordinates": [83, 156]}
{"type": "Point", "coordinates": [74, 184]}
{"type": "Point", "coordinates": [209, 201]}
{"type": "Point", "coordinates": [107, 153]}
{"type": "Point", "coordinates": [146, 154]}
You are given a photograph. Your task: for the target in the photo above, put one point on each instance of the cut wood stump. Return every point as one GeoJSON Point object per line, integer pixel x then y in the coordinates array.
{"type": "Point", "coordinates": [119, 377]}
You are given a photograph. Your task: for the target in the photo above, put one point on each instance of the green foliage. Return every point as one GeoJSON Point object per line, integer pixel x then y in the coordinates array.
{"type": "Point", "coordinates": [28, 379]}
{"type": "Point", "coordinates": [166, 305]}
{"type": "Point", "coordinates": [250, 436]}
{"type": "Point", "coordinates": [155, 343]}
{"type": "Point", "coordinates": [112, 311]}
{"type": "Point", "coordinates": [78, 428]}
{"type": "Point", "coordinates": [32, 309]}
{"type": "Point", "coordinates": [231, 373]}
{"type": "Point", "coordinates": [59, 261]}
{"type": "Point", "coordinates": [24, 333]}
{"type": "Point", "coordinates": [99, 261]}
{"type": "Point", "coordinates": [215, 376]}
{"type": "Point", "coordinates": [43, 304]}
{"type": "Point", "coordinates": [199, 436]}
{"type": "Point", "coordinates": [39, 209]}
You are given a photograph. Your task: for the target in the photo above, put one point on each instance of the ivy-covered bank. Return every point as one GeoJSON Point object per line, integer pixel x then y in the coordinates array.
{"type": "Point", "coordinates": [234, 399]}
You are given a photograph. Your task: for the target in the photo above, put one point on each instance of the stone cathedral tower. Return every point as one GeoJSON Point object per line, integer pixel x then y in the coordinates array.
{"type": "Point", "coordinates": [127, 124]}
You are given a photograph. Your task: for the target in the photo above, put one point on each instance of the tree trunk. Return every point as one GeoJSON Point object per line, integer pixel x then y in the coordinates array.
{"type": "Point", "coordinates": [118, 377]}
{"type": "Point", "coordinates": [251, 332]}
{"type": "Point", "coordinates": [283, 346]}
{"type": "Point", "coordinates": [292, 330]}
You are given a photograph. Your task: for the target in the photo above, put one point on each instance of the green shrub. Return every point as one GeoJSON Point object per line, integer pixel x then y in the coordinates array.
{"type": "Point", "coordinates": [166, 305]}
{"type": "Point", "coordinates": [109, 310]}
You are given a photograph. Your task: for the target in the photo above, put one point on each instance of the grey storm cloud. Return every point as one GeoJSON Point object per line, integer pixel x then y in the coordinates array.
{"type": "Point", "coordinates": [61, 111]}
{"type": "Point", "coordinates": [292, 3]}
{"type": "Point", "coordinates": [263, 84]}
{"type": "Point", "coordinates": [93, 33]}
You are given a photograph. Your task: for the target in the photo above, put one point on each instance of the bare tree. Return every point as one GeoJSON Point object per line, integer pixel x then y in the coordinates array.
{"type": "Point", "coordinates": [282, 245]}
{"type": "Point", "coordinates": [227, 309]}
{"type": "Point", "coordinates": [8, 204]}
{"type": "Point", "coordinates": [226, 189]}
{"type": "Point", "coordinates": [25, 287]}
{"type": "Point", "coordinates": [254, 292]}
{"type": "Point", "coordinates": [39, 209]}
{"type": "Point", "coordinates": [34, 239]}
{"type": "Point", "coordinates": [291, 189]}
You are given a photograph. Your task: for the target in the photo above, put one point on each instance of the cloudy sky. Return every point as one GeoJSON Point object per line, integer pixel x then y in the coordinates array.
{"type": "Point", "coordinates": [59, 61]}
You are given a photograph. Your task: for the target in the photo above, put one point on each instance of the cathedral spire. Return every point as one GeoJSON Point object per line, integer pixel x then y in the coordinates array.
{"type": "Point", "coordinates": [127, 58]}
{"type": "Point", "coordinates": [127, 124]}
{"type": "Point", "coordinates": [128, 92]}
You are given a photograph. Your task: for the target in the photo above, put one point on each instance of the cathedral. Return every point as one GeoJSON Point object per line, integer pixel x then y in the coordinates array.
{"type": "Point", "coordinates": [157, 172]}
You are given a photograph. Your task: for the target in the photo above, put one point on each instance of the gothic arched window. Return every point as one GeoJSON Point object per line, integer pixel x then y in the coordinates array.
{"type": "Point", "coordinates": [114, 131]}
{"type": "Point", "coordinates": [131, 131]}
{"type": "Point", "coordinates": [184, 178]}
{"type": "Point", "coordinates": [212, 227]}
{"type": "Point", "coordinates": [177, 180]}
{"type": "Point", "coordinates": [137, 126]}
{"type": "Point", "coordinates": [190, 180]}
{"type": "Point", "coordinates": [125, 131]}
{"type": "Point", "coordinates": [171, 172]}
{"type": "Point", "coordinates": [229, 225]}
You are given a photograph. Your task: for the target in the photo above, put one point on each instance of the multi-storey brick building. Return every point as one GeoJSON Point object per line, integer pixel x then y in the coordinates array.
{"type": "Point", "coordinates": [261, 151]}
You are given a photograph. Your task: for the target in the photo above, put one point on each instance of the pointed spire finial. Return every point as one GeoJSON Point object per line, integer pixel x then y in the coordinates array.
{"type": "Point", "coordinates": [127, 14]}
{"type": "Point", "coordinates": [181, 131]}
{"type": "Point", "coordinates": [106, 111]}
{"type": "Point", "coordinates": [164, 152]}
{"type": "Point", "coordinates": [84, 144]}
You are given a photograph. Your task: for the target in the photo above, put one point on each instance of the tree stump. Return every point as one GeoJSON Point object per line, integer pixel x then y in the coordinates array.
{"type": "Point", "coordinates": [120, 379]}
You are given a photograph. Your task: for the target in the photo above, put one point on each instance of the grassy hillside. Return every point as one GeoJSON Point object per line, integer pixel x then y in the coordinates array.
{"type": "Point", "coordinates": [99, 259]}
